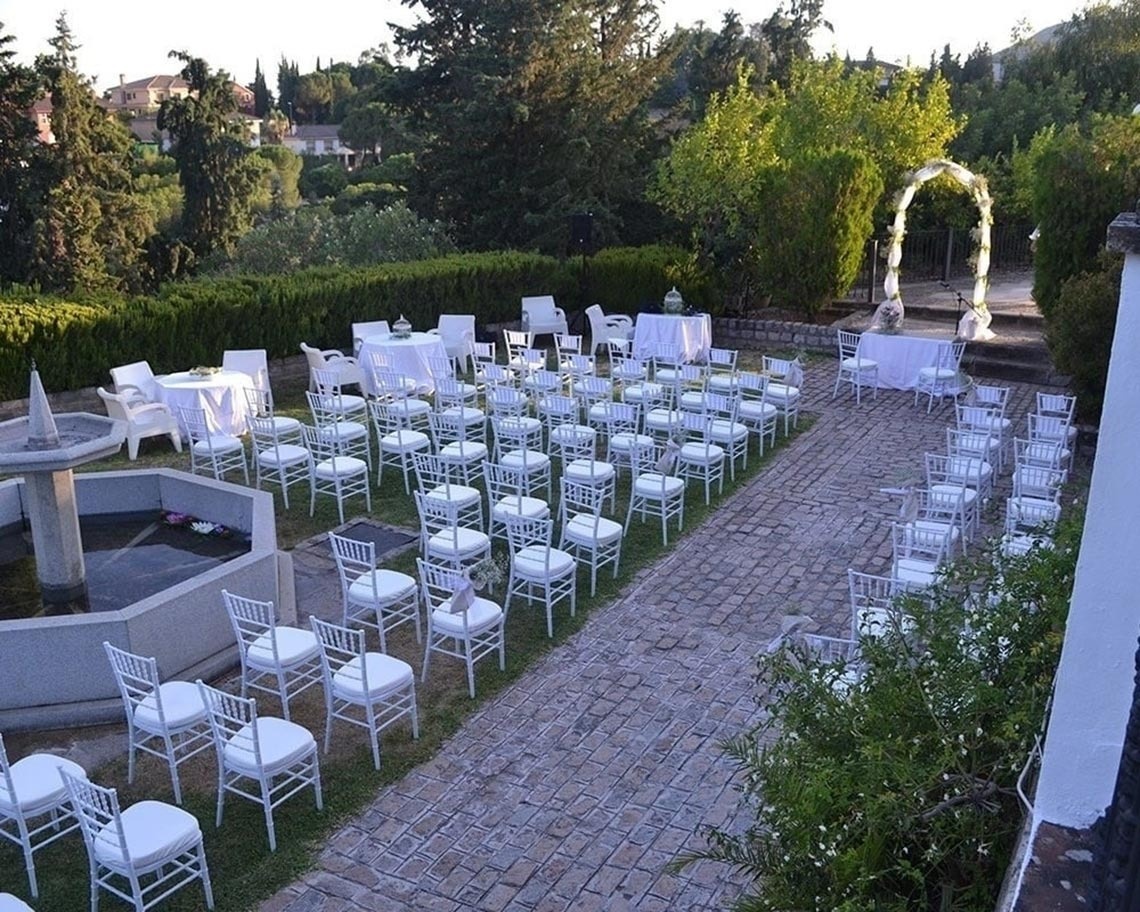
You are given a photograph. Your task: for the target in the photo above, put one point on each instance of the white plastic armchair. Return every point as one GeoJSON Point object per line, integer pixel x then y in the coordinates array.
{"type": "Point", "coordinates": [457, 332]}
{"type": "Point", "coordinates": [540, 315]}
{"type": "Point", "coordinates": [135, 381]}
{"type": "Point", "coordinates": [603, 328]}
{"type": "Point", "coordinates": [331, 359]}
{"type": "Point", "coordinates": [142, 419]}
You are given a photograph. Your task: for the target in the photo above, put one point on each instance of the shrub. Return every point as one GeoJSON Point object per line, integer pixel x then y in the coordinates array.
{"type": "Point", "coordinates": [1081, 329]}
{"type": "Point", "coordinates": [895, 791]}
{"type": "Point", "coordinates": [323, 181]}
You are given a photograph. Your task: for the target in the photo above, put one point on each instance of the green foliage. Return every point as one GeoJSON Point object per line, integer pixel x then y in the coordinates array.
{"type": "Point", "coordinates": [1083, 181]}
{"type": "Point", "coordinates": [1100, 47]}
{"type": "Point", "coordinates": [895, 791]}
{"type": "Point", "coordinates": [277, 191]}
{"type": "Point", "coordinates": [818, 215]}
{"type": "Point", "coordinates": [364, 127]}
{"type": "Point", "coordinates": [19, 183]}
{"type": "Point", "coordinates": [1081, 328]}
{"type": "Point", "coordinates": [217, 173]}
{"type": "Point", "coordinates": [193, 322]}
{"type": "Point", "coordinates": [323, 181]}
{"type": "Point", "coordinates": [356, 195]}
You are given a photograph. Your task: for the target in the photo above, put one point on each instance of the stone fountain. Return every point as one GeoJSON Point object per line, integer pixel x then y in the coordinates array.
{"type": "Point", "coordinates": [44, 449]}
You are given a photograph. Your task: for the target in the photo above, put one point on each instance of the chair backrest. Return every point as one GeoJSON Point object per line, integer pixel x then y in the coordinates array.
{"type": "Point", "coordinates": [117, 405]}
{"type": "Point", "coordinates": [529, 532]}
{"type": "Point", "coordinates": [1038, 482]}
{"type": "Point", "coordinates": [643, 457]}
{"type": "Point", "coordinates": [515, 340]}
{"type": "Point", "coordinates": [538, 309]}
{"type": "Point", "coordinates": [263, 431]}
{"type": "Point", "coordinates": [361, 331]}
{"type": "Point", "coordinates": [315, 357]}
{"type": "Point", "coordinates": [431, 471]}
{"type": "Point", "coordinates": [233, 721]}
{"type": "Point", "coordinates": [251, 619]}
{"type": "Point", "coordinates": [776, 368]}
{"type": "Point", "coordinates": [323, 447]}
{"type": "Point", "coordinates": [324, 407]}
{"type": "Point", "coordinates": [567, 344]}
{"type": "Point", "coordinates": [252, 361]}
{"type": "Point", "coordinates": [503, 481]}
{"type": "Point", "coordinates": [483, 352]}
{"type": "Point", "coordinates": [497, 374]}
{"type": "Point", "coordinates": [915, 543]}
{"type": "Point", "coordinates": [342, 655]}
{"type": "Point", "coordinates": [559, 409]}
{"type": "Point", "coordinates": [578, 497]}
{"type": "Point", "coordinates": [259, 401]}
{"type": "Point", "coordinates": [1026, 514]}
{"type": "Point", "coordinates": [353, 559]}
{"type": "Point", "coordinates": [667, 355]}
{"type": "Point", "coordinates": [848, 343]}
{"type": "Point", "coordinates": [578, 365]}
{"type": "Point", "coordinates": [446, 428]}
{"type": "Point", "coordinates": [620, 417]}
{"type": "Point", "coordinates": [874, 602]}
{"type": "Point", "coordinates": [7, 786]}
{"type": "Point", "coordinates": [1048, 427]}
{"type": "Point", "coordinates": [196, 425]}
{"type": "Point", "coordinates": [985, 417]}
{"type": "Point", "coordinates": [594, 389]}
{"type": "Point", "coordinates": [697, 427]}
{"type": "Point", "coordinates": [441, 368]}
{"type": "Point", "coordinates": [137, 678]}
{"type": "Point", "coordinates": [579, 443]}
{"type": "Point", "coordinates": [1046, 453]}
{"type": "Point", "coordinates": [449, 392]}
{"type": "Point", "coordinates": [327, 381]}
{"type": "Point", "coordinates": [437, 583]}
{"type": "Point", "coordinates": [597, 318]}
{"type": "Point", "coordinates": [950, 355]}
{"type": "Point", "coordinates": [435, 513]}
{"type": "Point", "coordinates": [100, 819]}
{"type": "Point", "coordinates": [992, 395]}
{"type": "Point", "coordinates": [722, 360]}
{"type": "Point", "coordinates": [135, 376]}
{"type": "Point", "coordinates": [505, 400]}
{"type": "Point", "coordinates": [721, 405]}
{"type": "Point", "coordinates": [973, 442]}
{"type": "Point", "coordinates": [753, 386]}
{"type": "Point", "coordinates": [1056, 404]}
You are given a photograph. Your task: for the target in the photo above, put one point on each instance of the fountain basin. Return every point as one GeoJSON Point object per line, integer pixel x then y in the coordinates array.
{"type": "Point", "coordinates": [54, 671]}
{"type": "Point", "coordinates": [83, 438]}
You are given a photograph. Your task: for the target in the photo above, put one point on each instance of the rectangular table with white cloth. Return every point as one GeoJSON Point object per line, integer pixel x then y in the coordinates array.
{"type": "Point", "coordinates": [221, 395]}
{"type": "Point", "coordinates": [409, 357]}
{"type": "Point", "coordinates": [693, 334]}
{"type": "Point", "coordinates": [901, 357]}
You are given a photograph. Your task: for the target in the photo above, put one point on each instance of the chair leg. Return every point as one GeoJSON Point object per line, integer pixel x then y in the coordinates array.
{"type": "Point", "coordinates": [170, 758]}
{"type": "Point", "coordinates": [470, 670]}
{"type": "Point", "coordinates": [204, 870]}
{"type": "Point", "coordinates": [29, 862]}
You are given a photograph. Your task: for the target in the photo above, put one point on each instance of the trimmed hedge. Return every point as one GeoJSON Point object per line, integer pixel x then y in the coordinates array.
{"type": "Point", "coordinates": [75, 343]}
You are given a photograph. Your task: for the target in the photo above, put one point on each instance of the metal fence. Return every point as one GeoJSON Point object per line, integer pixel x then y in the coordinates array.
{"type": "Point", "coordinates": [941, 255]}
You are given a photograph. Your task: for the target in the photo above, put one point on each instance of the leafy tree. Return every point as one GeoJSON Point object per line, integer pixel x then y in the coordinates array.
{"type": "Point", "coordinates": [788, 33]}
{"type": "Point", "coordinates": [90, 230]}
{"type": "Point", "coordinates": [262, 99]}
{"type": "Point", "coordinates": [218, 177]}
{"type": "Point", "coordinates": [363, 129]}
{"type": "Point", "coordinates": [715, 69]}
{"type": "Point", "coordinates": [323, 180]}
{"type": "Point", "coordinates": [288, 75]}
{"type": "Point", "coordinates": [277, 192]}
{"type": "Point", "coordinates": [1101, 48]}
{"type": "Point", "coordinates": [536, 110]}
{"type": "Point", "coordinates": [314, 97]}
{"type": "Point", "coordinates": [20, 87]}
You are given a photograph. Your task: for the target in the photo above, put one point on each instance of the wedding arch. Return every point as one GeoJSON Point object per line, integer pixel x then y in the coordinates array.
{"type": "Point", "coordinates": [975, 323]}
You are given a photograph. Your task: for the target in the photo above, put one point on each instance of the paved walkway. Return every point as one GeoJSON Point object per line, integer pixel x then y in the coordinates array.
{"type": "Point", "coordinates": [576, 787]}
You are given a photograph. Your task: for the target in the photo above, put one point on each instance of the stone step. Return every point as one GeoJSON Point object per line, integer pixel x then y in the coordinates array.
{"type": "Point", "coordinates": [949, 316]}
{"type": "Point", "coordinates": [986, 366]}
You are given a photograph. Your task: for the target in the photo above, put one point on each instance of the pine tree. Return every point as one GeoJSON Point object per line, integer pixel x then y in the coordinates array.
{"type": "Point", "coordinates": [214, 166]}
{"type": "Point", "coordinates": [19, 162]}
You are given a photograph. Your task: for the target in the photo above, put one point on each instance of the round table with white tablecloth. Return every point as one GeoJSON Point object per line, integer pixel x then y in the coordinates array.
{"type": "Point", "coordinates": [409, 357]}
{"type": "Point", "coordinates": [220, 395]}
{"type": "Point", "coordinates": [901, 357]}
{"type": "Point", "coordinates": [693, 334]}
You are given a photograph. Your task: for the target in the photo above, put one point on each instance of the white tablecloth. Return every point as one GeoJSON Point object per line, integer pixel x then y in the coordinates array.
{"type": "Point", "coordinates": [901, 357]}
{"type": "Point", "coordinates": [693, 334]}
{"type": "Point", "coordinates": [409, 357]}
{"type": "Point", "coordinates": [220, 395]}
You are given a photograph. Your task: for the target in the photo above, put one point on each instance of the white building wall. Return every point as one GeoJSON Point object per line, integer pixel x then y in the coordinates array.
{"type": "Point", "coordinates": [1095, 678]}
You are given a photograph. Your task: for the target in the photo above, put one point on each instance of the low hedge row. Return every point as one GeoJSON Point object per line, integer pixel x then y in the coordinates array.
{"type": "Point", "coordinates": [75, 342]}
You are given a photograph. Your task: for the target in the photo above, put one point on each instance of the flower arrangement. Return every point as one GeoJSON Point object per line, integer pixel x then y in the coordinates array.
{"type": "Point", "coordinates": [487, 573]}
{"type": "Point", "coordinates": [194, 524]}
{"type": "Point", "coordinates": [203, 370]}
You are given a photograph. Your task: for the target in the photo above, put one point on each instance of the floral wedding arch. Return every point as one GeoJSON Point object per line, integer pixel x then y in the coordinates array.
{"type": "Point", "coordinates": [975, 323]}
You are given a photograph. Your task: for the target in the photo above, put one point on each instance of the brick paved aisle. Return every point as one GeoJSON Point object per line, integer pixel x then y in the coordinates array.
{"type": "Point", "coordinates": [575, 787]}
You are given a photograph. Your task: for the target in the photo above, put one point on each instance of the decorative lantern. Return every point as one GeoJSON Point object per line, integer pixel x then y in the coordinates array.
{"type": "Point", "coordinates": [402, 329]}
{"type": "Point", "coordinates": [673, 304]}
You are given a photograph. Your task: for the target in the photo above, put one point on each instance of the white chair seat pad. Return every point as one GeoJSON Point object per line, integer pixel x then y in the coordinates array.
{"type": "Point", "coordinates": [662, 418]}
{"type": "Point", "coordinates": [919, 572]}
{"type": "Point", "coordinates": [38, 785]}
{"type": "Point", "coordinates": [752, 409]}
{"type": "Point", "coordinates": [648, 484]}
{"type": "Point", "coordinates": [283, 424]}
{"type": "Point", "coordinates": [411, 408]}
{"type": "Point", "coordinates": [580, 530]}
{"type": "Point", "coordinates": [723, 382]}
{"type": "Point", "coordinates": [404, 441]}
{"type": "Point", "coordinates": [218, 443]}
{"type": "Point", "coordinates": [9, 903]}
{"type": "Point", "coordinates": [930, 374]}
{"type": "Point", "coordinates": [969, 495]}
{"type": "Point", "coordinates": [532, 459]}
{"type": "Point", "coordinates": [665, 375]}
{"type": "Point", "coordinates": [282, 744]}
{"type": "Point", "coordinates": [482, 614]}
{"type": "Point", "coordinates": [938, 528]}
{"type": "Point", "coordinates": [531, 563]}
{"type": "Point", "coordinates": [723, 430]}
{"type": "Point", "coordinates": [641, 391]}
{"type": "Point", "coordinates": [345, 404]}
{"type": "Point", "coordinates": [344, 430]}
{"type": "Point", "coordinates": [590, 471]}
{"type": "Point", "coordinates": [464, 451]}
{"type": "Point", "coordinates": [153, 831]}
{"type": "Point", "coordinates": [344, 467]}
{"type": "Point", "coordinates": [522, 424]}
{"type": "Point", "coordinates": [859, 364]}
{"type": "Point", "coordinates": [624, 442]}
{"type": "Point", "coordinates": [385, 675]}
{"type": "Point", "coordinates": [570, 433]}
{"type": "Point", "coordinates": [598, 411]}
{"type": "Point", "coordinates": [467, 414]}
{"type": "Point", "coordinates": [697, 452]}
{"type": "Point", "coordinates": [389, 586]}
{"type": "Point", "coordinates": [294, 646]}
{"type": "Point", "coordinates": [459, 540]}
{"type": "Point", "coordinates": [462, 495]}
{"type": "Point", "coordinates": [286, 454]}
{"type": "Point", "coordinates": [782, 393]}
{"type": "Point", "coordinates": [530, 507]}
{"type": "Point", "coordinates": [182, 707]}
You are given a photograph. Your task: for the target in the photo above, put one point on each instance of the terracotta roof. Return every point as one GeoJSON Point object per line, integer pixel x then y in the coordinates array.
{"type": "Point", "coordinates": [316, 131]}
{"type": "Point", "coordinates": [42, 105]}
{"type": "Point", "coordinates": [154, 82]}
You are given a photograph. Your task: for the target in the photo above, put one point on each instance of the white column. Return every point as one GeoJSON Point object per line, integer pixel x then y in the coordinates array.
{"type": "Point", "coordinates": [1095, 678]}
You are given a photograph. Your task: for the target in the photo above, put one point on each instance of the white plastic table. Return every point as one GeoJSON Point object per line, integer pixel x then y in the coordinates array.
{"type": "Point", "coordinates": [693, 334]}
{"type": "Point", "coordinates": [221, 396]}
{"type": "Point", "coordinates": [409, 357]}
{"type": "Point", "coordinates": [901, 357]}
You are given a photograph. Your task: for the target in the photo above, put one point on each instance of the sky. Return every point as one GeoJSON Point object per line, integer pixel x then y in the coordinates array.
{"type": "Point", "coordinates": [134, 39]}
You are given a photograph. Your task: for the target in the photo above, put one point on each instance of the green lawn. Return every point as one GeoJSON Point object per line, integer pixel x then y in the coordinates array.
{"type": "Point", "coordinates": [243, 870]}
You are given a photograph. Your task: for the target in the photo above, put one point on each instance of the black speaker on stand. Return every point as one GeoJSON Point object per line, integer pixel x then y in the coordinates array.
{"type": "Point", "coordinates": [581, 243]}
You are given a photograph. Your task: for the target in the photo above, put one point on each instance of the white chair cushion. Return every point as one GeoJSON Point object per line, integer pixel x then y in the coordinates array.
{"type": "Point", "coordinates": [385, 674]}
{"type": "Point", "coordinates": [458, 541]}
{"type": "Point", "coordinates": [930, 374]}
{"type": "Point", "coordinates": [220, 443]}
{"type": "Point", "coordinates": [181, 705]}
{"type": "Point", "coordinates": [530, 562]}
{"type": "Point", "coordinates": [294, 646]}
{"type": "Point", "coordinates": [286, 454]}
{"type": "Point", "coordinates": [580, 530]}
{"type": "Point", "coordinates": [637, 393]}
{"type": "Point", "coordinates": [482, 614]}
{"type": "Point", "coordinates": [411, 407]}
{"type": "Point", "coordinates": [969, 495]}
{"type": "Point", "coordinates": [662, 418]}
{"type": "Point", "coordinates": [724, 430]}
{"type": "Point", "coordinates": [522, 424]}
{"type": "Point", "coordinates": [665, 375]}
{"type": "Point", "coordinates": [38, 785]}
{"type": "Point", "coordinates": [283, 424]}
{"type": "Point", "coordinates": [344, 430]}
{"type": "Point", "coordinates": [390, 586]}
{"type": "Point", "coordinates": [751, 409]}
{"type": "Point", "coordinates": [464, 451]}
{"type": "Point", "coordinates": [724, 382]}
{"type": "Point", "coordinates": [456, 494]}
{"type": "Point", "coordinates": [648, 484]}
{"type": "Point", "coordinates": [530, 507]}
{"type": "Point", "coordinates": [467, 414]}
{"type": "Point", "coordinates": [282, 744]}
{"type": "Point", "coordinates": [919, 572]}
{"type": "Point", "coordinates": [585, 470]}
{"type": "Point", "coordinates": [346, 467]}
{"type": "Point", "coordinates": [782, 394]}
{"type": "Point", "coordinates": [9, 903]}
{"type": "Point", "coordinates": [154, 832]}
{"type": "Point", "coordinates": [859, 364]}
{"type": "Point", "coordinates": [624, 442]}
{"type": "Point", "coordinates": [534, 460]}
{"type": "Point", "coordinates": [598, 411]}
{"type": "Point", "coordinates": [569, 433]}
{"type": "Point", "coordinates": [404, 441]}
{"type": "Point", "coordinates": [693, 400]}
{"type": "Point", "coordinates": [696, 452]}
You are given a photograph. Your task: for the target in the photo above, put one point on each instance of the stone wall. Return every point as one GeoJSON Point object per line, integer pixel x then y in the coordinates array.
{"type": "Point", "coordinates": [736, 332]}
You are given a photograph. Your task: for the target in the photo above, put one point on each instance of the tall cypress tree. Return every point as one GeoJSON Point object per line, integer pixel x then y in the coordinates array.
{"type": "Point", "coordinates": [20, 87]}
{"type": "Point", "coordinates": [262, 100]}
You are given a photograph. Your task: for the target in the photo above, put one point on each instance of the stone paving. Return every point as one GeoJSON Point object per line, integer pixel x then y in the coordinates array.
{"type": "Point", "coordinates": [579, 784]}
